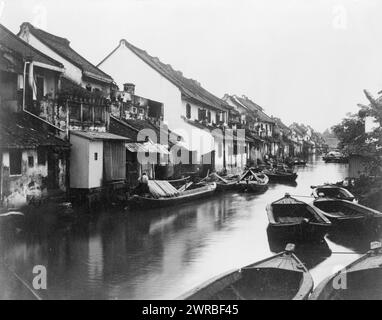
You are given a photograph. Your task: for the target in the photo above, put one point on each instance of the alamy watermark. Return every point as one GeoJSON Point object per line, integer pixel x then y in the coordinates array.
{"type": "Point", "coordinates": [209, 145]}
{"type": "Point", "coordinates": [40, 279]}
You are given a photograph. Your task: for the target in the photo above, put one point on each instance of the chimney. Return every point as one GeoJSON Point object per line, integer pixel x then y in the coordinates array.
{"type": "Point", "coordinates": [129, 88]}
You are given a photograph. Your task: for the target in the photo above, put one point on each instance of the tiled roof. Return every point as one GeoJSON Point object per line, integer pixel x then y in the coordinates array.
{"type": "Point", "coordinates": [252, 106]}
{"type": "Point", "coordinates": [94, 135]}
{"type": "Point", "coordinates": [281, 124]}
{"type": "Point", "coordinates": [190, 88]}
{"type": "Point", "coordinates": [62, 47]}
{"type": "Point", "coordinates": [130, 128]}
{"type": "Point", "coordinates": [22, 50]}
{"type": "Point", "coordinates": [22, 131]}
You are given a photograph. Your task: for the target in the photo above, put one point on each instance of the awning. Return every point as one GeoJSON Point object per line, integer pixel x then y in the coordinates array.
{"type": "Point", "coordinates": [146, 147]}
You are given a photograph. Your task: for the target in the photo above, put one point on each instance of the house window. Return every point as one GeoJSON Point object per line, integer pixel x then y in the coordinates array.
{"type": "Point", "coordinates": [188, 111]}
{"type": "Point", "coordinates": [217, 117]}
{"type": "Point", "coordinates": [87, 115]}
{"type": "Point", "coordinates": [75, 112]}
{"type": "Point", "coordinates": [134, 110]}
{"type": "Point", "coordinates": [209, 116]}
{"type": "Point", "coordinates": [40, 87]}
{"type": "Point", "coordinates": [141, 111]}
{"type": "Point", "coordinates": [99, 114]}
{"type": "Point", "coordinates": [201, 114]}
{"type": "Point", "coordinates": [89, 87]}
{"type": "Point", "coordinates": [41, 156]}
{"type": "Point", "coordinates": [95, 156]}
{"type": "Point", "coordinates": [15, 158]}
{"type": "Point", "coordinates": [30, 161]}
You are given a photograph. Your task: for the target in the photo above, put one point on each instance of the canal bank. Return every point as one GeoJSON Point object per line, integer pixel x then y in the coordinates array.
{"type": "Point", "coordinates": [160, 254]}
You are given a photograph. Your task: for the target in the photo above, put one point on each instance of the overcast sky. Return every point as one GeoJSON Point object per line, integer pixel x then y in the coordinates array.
{"type": "Point", "coordinates": [302, 60]}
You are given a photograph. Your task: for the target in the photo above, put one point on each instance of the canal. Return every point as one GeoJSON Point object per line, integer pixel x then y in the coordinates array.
{"type": "Point", "coordinates": [160, 254]}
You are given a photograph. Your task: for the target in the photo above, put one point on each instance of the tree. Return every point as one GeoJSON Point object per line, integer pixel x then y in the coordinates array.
{"type": "Point", "coordinates": [353, 138]}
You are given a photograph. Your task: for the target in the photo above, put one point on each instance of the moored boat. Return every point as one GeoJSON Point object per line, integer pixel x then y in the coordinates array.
{"type": "Point", "coordinates": [332, 191]}
{"type": "Point", "coordinates": [291, 218]}
{"type": "Point", "coordinates": [298, 162]}
{"type": "Point", "coordinates": [347, 213]}
{"type": "Point", "coordinates": [225, 183]}
{"type": "Point", "coordinates": [253, 182]}
{"type": "Point", "coordinates": [275, 175]}
{"type": "Point", "coordinates": [335, 157]}
{"type": "Point", "coordinates": [281, 277]}
{"type": "Point", "coordinates": [360, 280]}
{"type": "Point", "coordinates": [198, 192]}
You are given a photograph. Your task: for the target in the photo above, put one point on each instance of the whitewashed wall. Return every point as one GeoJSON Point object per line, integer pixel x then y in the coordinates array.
{"type": "Point", "coordinates": [124, 66]}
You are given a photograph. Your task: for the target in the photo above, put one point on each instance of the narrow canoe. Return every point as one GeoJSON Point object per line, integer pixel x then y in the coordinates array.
{"type": "Point", "coordinates": [333, 192]}
{"type": "Point", "coordinates": [184, 196]}
{"type": "Point", "coordinates": [343, 212]}
{"type": "Point", "coordinates": [281, 277]}
{"type": "Point", "coordinates": [360, 280]}
{"type": "Point", "coordinates": [291, 218]}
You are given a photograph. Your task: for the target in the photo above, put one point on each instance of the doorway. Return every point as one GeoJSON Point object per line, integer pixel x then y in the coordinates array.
{"type": "Point", "coordinates": [53, 171]}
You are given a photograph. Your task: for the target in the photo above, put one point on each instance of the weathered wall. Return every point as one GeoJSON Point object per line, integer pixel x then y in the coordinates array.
{"type": "Point", "coordinates": [15, 187]}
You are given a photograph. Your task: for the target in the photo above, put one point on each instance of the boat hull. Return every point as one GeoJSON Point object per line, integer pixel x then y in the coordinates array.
{"type": "Point", "coordinates": [227, 186]}
{"type": "Point", "coordinates": [281, 277]}
{"type": "Point", "coordinates": [299, 232]}
{"type": "Point", "coordinates": [281, 178]}
{"type": "Point", "coordinates": [145, 202]}
{"type": "Point", "coordinates": [360, 280]}
{"type": "Point", "coordinates": [349, 215]}
{"type": "Point", "coordinates": [253, 187]}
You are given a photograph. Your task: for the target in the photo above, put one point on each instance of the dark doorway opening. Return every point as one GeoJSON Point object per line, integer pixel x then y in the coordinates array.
{"type": "Point", "coordinates": [53, 171]}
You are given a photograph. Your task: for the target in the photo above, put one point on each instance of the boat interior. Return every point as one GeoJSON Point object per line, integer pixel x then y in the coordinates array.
{"type": "Point", "coordinates": [261, 284]}
{"type": "Point", "coordinates": [360, 285]}
{"type": "Point", "coordinates": [294, 213]}
{"type": "Point", "coordinates": [339, 208]}
{"type": "Point", "coordinates": [333, 193]}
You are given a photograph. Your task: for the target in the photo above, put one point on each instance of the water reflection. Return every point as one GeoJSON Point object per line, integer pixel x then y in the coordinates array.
{"type": "Point", "coordinates": [160, 254]}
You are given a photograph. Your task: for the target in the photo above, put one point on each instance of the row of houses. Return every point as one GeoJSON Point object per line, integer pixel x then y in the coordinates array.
{"type": "Point", "coordinates": [67, 125]}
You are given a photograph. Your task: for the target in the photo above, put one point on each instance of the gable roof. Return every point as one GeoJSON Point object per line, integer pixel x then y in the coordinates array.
{"type": "Point", "coordinates": [255, 108]}
{"type": "Point", "coordinates": [62, 47]}
{"type": "Point", "coordinates": [21, 50]}
{"type": "Point", "coordinates": [281, 124]}
{"type": "Point", "coordinates": [189, 88]}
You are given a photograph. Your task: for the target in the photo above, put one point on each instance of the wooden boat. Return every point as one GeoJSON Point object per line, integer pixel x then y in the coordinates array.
{"type": "Point", "coordinates": [179, 182]}
{"type": "Point", "coordinates": [275, 175]}
{"type": "Point", "coordinates": [343, 212]}
{"type": "Point", "coordinates": [335, 157]}
{"type": "Point", "coordinates": [360, 280]}
{"type": "Point", "coordinates": [298, 162]}
{"type": "Point", "coordinates": [225, 183]}
{"type": "Point", "coordinates": [251, 181]}
{"type": "Point", "coordinates": [281, 277]}
{"type": "Point", "coordinates": [332, 191]}
{"type": "Point", "coordinates": [291, 218]}
{"type": "Point", "coordinates": [149, 201]}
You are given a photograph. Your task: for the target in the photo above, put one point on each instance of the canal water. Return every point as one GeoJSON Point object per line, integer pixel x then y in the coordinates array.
{"type": "Point", "coordinates": [160, 254]}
